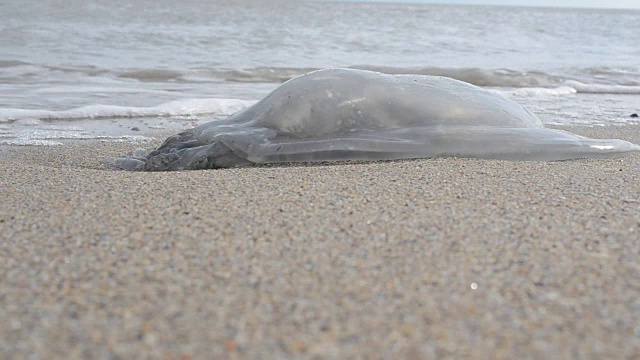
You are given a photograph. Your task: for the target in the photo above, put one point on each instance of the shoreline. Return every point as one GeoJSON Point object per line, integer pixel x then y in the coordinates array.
{"type": "Point", "coordinates": [412, 258]}
{"type": "Point", "coordinates": [77, 153]}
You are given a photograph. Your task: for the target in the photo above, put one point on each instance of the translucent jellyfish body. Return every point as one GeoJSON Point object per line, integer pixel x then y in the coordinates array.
{"type": "Point", "coordinates": [344, 114]}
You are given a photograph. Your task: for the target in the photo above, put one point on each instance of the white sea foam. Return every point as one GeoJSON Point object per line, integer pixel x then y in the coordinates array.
{"type": "Point", "coordinates": [602, 88]}
{"type": "Point", "coordinates": [52, 137]}
{"type": "Point", "coordinates": [536, 92]}
{"type": "Point", "coordinates": [569, 88]}
{"type": "Point", "coordinates": [172, 108]}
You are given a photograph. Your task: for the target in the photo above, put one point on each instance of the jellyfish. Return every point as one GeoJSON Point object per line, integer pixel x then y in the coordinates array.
{"type": "Point", "coordinates": [347, 114]}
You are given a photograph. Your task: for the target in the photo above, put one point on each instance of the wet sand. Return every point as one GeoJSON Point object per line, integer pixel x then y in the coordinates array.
{"type": "Point", "coordinates": [421, 258]}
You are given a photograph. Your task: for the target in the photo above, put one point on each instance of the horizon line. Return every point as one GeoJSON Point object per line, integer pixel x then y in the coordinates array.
{"type": "Point", "coordinates": [488, 3]}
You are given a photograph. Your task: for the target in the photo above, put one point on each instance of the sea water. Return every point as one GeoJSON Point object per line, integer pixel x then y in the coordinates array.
{"type": "Point", "coordinates": [119, 70]}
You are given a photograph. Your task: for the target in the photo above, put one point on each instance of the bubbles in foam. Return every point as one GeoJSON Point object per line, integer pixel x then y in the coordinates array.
{"type": "Point", "coordinates": [172, 108]}
{"type": "Point", "coordinates": [52, 137]}
{"type": "Point", "coordinates": [602, 88]}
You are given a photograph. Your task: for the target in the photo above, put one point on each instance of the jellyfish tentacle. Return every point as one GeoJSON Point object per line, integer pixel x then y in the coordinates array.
{"type": "Point", "coordinates": [208, 156]}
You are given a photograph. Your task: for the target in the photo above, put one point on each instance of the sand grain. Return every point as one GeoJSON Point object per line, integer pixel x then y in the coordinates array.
{"type": "Point", "coordinates": [422, 258]}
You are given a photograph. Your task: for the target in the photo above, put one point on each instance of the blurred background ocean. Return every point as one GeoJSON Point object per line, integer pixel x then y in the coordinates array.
{"type": "Point", "coordinates": [116, 70]}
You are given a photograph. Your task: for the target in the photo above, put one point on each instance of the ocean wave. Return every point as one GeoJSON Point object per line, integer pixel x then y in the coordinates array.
{"type": "Point", "coordinates": [536, 92]}
{"type": "Point", "coordinates": [152, 75]}
{"type": "Point", "coordinates": [532, 83]}
{"type": "Point", "coordinates": [476, 76]}
{"type": "Point", "coordinates": [602, 88]}
{"type": "Point", "coordinates": [622, 81]}
{"type": "Point", "coordinates": [479, 77]}
{"type": "Point", "coordinates": [12, 63]}
{"type": "Point", "coordinates": [600, 79]}
{"type": "Point", "coordinates": [262, 74]}
{"type": "Point", "coordinates": [172, 108]}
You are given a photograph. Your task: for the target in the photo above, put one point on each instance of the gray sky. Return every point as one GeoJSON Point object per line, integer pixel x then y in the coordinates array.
{"type": "Point", "coordinates": [629, 4]}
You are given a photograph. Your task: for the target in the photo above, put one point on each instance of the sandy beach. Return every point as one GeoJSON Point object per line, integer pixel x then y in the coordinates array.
{"type": "Point", "coordinates": [436, 258]}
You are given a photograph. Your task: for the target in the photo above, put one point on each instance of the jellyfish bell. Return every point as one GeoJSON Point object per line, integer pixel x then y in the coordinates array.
{"type": "Point", "coordinates": [346, 114]}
